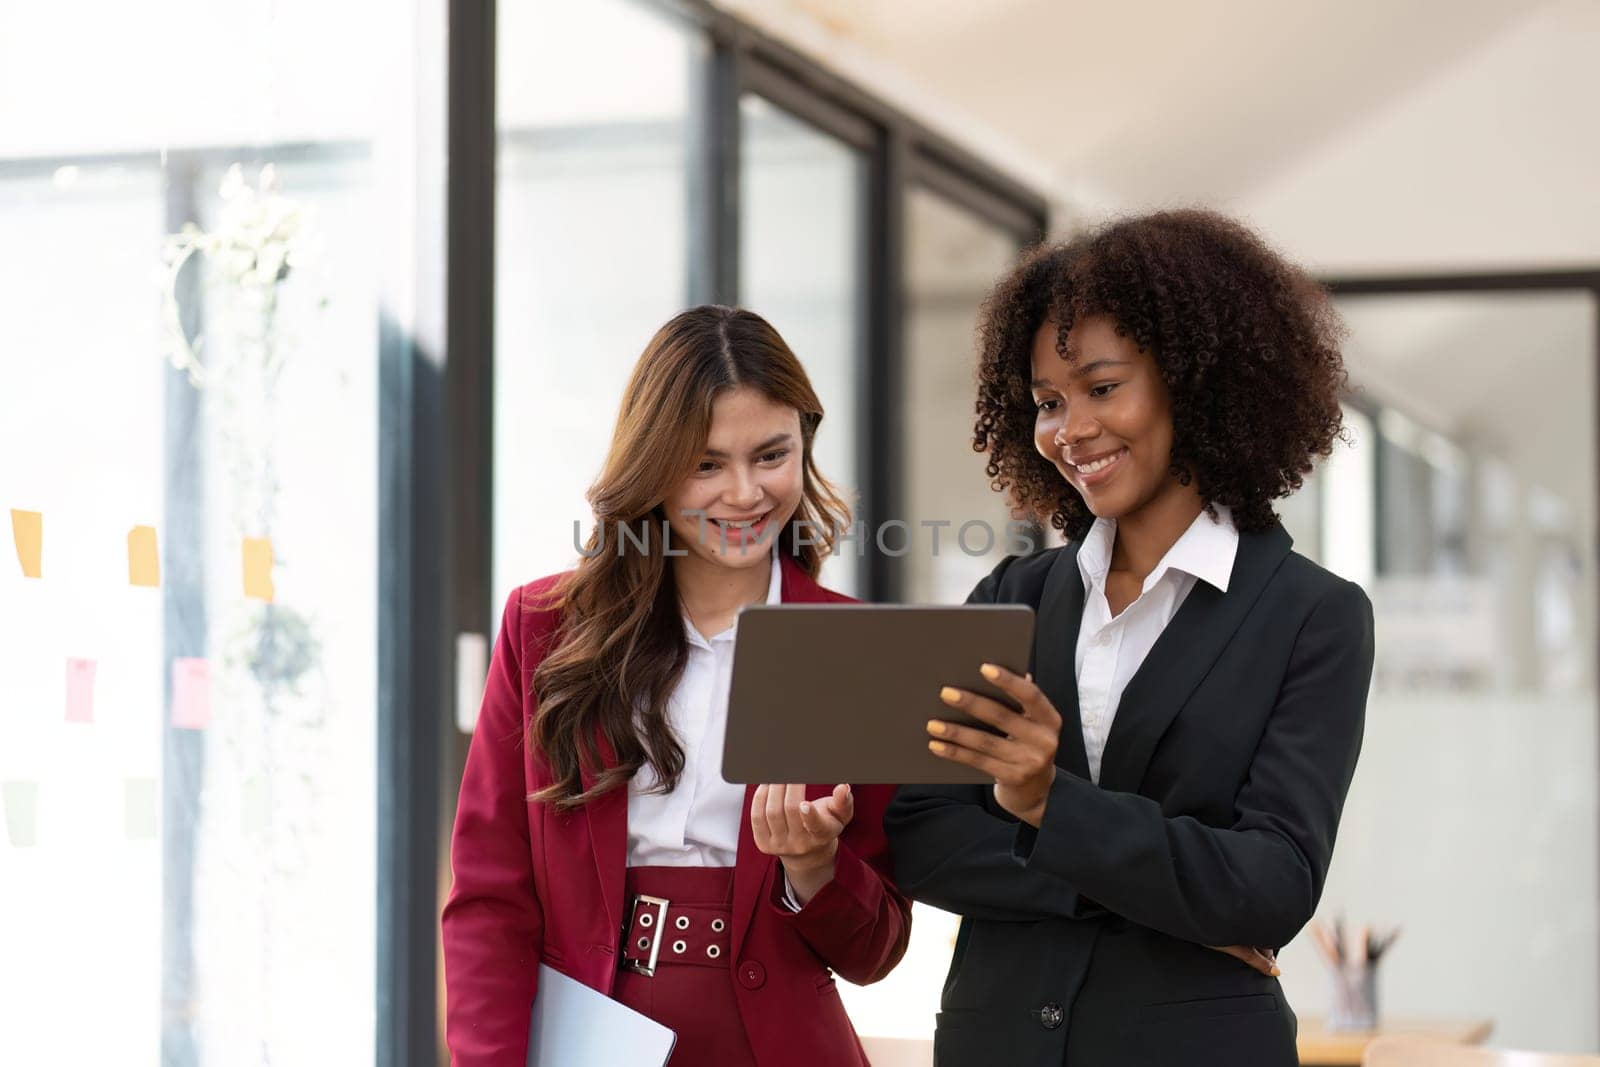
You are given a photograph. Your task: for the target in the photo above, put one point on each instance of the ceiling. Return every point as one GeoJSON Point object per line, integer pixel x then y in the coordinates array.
{"type": "Point", "coordinates": [1149, 101]}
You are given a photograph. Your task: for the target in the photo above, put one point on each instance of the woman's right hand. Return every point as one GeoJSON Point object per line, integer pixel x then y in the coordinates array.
{"type": "Point", "coordinates": [1262, 959]}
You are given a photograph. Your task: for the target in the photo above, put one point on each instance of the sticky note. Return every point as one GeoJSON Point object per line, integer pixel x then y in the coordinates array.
{"type": "Point", "coordinates": [21, 803]}
{"type": "Point", "coordinates": [27, 527]}
{"type": "Point", "coordinates": [254, 807]}
{"type": "Point", "coordinates": [258, 568]}
{"type": "Point", "coordinates": [144, 559]}
{"type": "Point", "coordinates": [191, 693]}
{"type": "Point", "coordinates": [139, 816]}
{"type": "Point", "coordinates": [80, 690]}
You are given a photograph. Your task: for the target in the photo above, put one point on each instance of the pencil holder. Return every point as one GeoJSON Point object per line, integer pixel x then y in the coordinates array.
{"type": "Point", "coordinates": [1355, 997]}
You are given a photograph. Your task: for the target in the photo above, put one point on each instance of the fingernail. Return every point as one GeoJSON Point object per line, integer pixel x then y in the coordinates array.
{"type": "Point", "coordinates": [990, 671]}
{"type": "Point", "coordinates": [1276, 972]}
{"type": "Point", "coordinates": [935, 726]}
{"type": "Point", "coordinates": [805, 807]}
{"type": "Point", "coordinates": [936, 746]}
{"type": "Point", "coordinates": [949, 695]}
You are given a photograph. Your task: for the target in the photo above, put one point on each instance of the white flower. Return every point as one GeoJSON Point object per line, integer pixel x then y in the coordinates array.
{"type": "Point", "coordinates": [233, 182]}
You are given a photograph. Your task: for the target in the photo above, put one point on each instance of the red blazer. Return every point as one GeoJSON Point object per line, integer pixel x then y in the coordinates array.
{"type": "Point", "coordinates": [536, 885]}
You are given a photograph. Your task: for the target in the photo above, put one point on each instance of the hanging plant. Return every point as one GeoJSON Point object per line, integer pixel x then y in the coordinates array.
{"type": "Point", "coordinates": [260, 239]}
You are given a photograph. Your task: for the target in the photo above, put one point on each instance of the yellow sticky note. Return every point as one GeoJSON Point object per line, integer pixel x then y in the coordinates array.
{"type": "Point", "coordinates": [144, 560]}
{"type": "Point", "coordinates": [28, 529]}
{"type": "Point", "coordinates": [258, 568]}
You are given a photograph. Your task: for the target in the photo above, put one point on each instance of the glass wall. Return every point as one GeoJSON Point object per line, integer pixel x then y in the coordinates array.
{"type": "Point", "coordinates": [802, 258]}
{"type": "Point", "coordinates": [591, 252]}
{"type": "Point", "coordinates": [1466, 507]}
{"type": "Point", "coordinates": [188, 483]}
{"type": "Point", "coordinates": [953, 257]}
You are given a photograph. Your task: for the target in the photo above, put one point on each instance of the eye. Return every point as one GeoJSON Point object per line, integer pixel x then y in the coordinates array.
{"type": "Point", "coordinates": [1101, 391]}
{"type": "Point", "coordinates": [775, 456]}
{"type": "Point", "coordinates": [706, 467]}
{"type": "Point", "coordinates": [1046, 405]}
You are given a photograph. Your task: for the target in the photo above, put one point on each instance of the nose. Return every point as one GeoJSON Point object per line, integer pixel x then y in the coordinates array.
{"type": "Point", "coordinates": [1076, 428]}
{"type": "Point", "coordinates": [745, 493]}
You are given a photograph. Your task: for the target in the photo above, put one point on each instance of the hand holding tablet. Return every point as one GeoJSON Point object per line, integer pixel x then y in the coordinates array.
{"type": "Point", "coordinates": [1019, 753]}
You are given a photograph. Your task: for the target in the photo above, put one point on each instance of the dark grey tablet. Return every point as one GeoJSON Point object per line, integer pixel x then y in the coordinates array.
{"type": "Point", "coordinates": [843, 692]}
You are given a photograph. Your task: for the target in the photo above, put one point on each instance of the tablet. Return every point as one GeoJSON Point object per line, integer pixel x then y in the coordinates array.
{"type": "Point", "coordinates": [829, 693]}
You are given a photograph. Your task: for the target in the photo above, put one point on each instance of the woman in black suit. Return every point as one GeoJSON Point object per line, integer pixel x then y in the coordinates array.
{"type": "Point", "coordinates": [1194, 706]}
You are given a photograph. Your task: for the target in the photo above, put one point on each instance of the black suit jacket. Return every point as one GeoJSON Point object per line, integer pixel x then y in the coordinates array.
{"type": "Point", "coordinates": [1213, 822]}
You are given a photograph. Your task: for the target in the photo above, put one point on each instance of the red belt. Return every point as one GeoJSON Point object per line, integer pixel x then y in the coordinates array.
{"type": "Point", "coordinates": [661, 932]}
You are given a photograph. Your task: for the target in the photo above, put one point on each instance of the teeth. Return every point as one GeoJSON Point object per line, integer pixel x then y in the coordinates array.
{"type": "Point", "coordinates": [1099, 464]}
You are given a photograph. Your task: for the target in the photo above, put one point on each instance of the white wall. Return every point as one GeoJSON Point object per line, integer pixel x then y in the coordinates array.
{"type": "Point", "coordinates": [1492, 163]}
{"type": "Point", "coordinates": [1461, 822]}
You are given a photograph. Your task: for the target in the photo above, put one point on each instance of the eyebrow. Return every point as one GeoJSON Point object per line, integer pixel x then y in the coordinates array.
{"type": "Point", "coordinates": [771, 442]}
{"type": "Point", "coordinates": [1083, 371]}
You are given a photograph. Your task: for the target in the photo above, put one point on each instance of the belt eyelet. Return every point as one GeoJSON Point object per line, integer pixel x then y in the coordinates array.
{"type": "Point", "coordinates": [683, 922]}
{"type": "Point", "coordinates": [679, 947]}
{"type": "Point", "coordinates": [713, 951]}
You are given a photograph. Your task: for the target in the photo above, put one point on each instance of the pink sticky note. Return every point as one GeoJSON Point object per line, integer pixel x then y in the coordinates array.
{"type": "Point", "coordinates": [191, 693]}
{"type": "Point", "coordinates": [80, 690]}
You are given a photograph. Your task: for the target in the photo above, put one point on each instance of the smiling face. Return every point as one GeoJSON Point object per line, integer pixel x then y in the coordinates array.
{"type": "Point", "coordinates": [747, 483]}
{"type": "Point", "coordinates": [1103, 417]}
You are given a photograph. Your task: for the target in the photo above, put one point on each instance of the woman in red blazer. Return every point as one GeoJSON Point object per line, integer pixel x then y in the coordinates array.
{"type": "Point", "coordinates": [594, 833]}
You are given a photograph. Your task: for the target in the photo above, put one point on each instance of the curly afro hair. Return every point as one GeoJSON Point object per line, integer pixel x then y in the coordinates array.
{"type": "Point", "coordinates": [1247, 344]}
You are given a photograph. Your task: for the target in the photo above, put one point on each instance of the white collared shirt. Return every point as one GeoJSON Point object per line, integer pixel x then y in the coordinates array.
{"type": "Point", "coordinates": [697, 824]}
{"type": "Point", "coordinates": [1111, 649]}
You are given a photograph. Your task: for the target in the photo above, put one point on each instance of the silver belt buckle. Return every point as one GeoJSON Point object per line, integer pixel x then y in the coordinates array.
{"type": "Point", "coordinates": [660, 924]}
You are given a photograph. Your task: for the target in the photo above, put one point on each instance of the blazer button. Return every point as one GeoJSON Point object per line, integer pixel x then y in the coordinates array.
{"type": "Point", "coordinates": [1051, 1016]}
{"type": "Point", "coordinates": [752, 975]}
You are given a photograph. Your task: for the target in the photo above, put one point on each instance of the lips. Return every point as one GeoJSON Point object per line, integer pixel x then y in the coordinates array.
{"type": "Point", "coordinates": [742, 531]}
{"type": "Point", "coordinates": [1095, 470]}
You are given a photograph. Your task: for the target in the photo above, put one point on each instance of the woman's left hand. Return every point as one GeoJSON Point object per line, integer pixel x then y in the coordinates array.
{"type": "Point", "coordinates": [1264, 960]}
{"type": "Point", "coordinates": [803, 834]}
{"type": "Point", "coordinates": [1022, 760]}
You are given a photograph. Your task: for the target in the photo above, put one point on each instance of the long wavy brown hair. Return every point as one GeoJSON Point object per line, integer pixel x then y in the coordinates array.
{"type": "Point", "coordinates": [620, 648]}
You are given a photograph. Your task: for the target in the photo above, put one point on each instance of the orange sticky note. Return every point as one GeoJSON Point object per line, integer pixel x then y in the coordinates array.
{"type": "Point", "coordinates": [191, 693]}
{"type": "Point", "coordinates": [258, 568]}
{"type": "Point", "coordinates": [144, 558]}
{"type": "Point", "coordinates": [28, 529]}
{"type": "Point", "coordinates": [80, 690]}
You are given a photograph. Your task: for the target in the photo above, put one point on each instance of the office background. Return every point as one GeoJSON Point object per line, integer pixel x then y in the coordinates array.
{"type": "Point", "coordinates": [359, 398]}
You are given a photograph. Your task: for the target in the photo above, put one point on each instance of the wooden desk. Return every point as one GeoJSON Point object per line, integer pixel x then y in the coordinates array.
{"type": "Point", "coordinates": [1323, 1048]}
